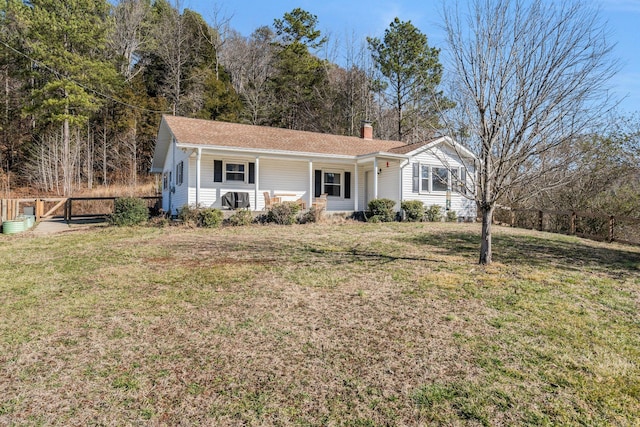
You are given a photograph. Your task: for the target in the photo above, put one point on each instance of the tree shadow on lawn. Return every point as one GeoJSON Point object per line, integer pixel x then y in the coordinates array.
{"type": "Point", "coordinates": [564, 252]}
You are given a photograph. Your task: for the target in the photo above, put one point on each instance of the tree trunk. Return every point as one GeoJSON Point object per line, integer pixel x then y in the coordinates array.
{"type": "Point", "coordinates": [485, 245]}
{"type": "Point", "coordinates": [104, 151]}
{"type": "Point", "coordinates": [89, 157]}
{"type": "Point", "coordinates": [67, 173]}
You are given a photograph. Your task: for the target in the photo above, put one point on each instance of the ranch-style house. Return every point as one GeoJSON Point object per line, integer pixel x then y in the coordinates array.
{"type": "Point", "coordinates": [228, 165]}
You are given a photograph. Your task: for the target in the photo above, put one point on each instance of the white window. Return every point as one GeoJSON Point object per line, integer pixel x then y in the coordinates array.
{"type": "Point", "coordinates": [235, 172]}
{"type": "Point", "coordinates": [165, 181]}
{"type": "Point", "coordinates": [459, 180]}
{"type": "Point", "coordinates": [439, 179]}
{"type": "Point", "coordinates": [332, 183]}
{"type": "Point", "coordinates": [179, 173]}
{"type": "Point", "coordinates": [424, 178]}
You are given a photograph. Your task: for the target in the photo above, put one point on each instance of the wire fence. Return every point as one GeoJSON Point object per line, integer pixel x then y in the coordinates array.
{"type": "Point", "coordinates": [584, 224]}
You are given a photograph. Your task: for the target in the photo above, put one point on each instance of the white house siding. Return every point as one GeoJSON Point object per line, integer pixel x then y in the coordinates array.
{"type": "Point", "coordinates": [388, 181]}
{"type": "Point", "coordinates": [436, 157]}
{"type": "Point", "coordinates": [211, 192]}
{"type": "Point", "coordinates": [283, 177]}
{"type": "Point", "coordinates": [339, 204]}
{"type": "Point", "coordinates": [179, 196]}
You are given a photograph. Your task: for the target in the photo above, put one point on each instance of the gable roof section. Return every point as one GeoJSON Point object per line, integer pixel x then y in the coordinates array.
{"type": "Point", "coordinates": [187, 131]}
{"type": "Point", "coordinates": [413, 149]}
{"type": "Point", "coordinates": [224, 134]}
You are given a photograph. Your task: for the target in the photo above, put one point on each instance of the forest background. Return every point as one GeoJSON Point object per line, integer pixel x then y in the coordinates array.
{"type": "Point", "coordinates": [85, 82]}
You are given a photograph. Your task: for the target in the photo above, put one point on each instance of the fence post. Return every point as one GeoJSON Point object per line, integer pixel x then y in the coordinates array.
{"type": "Point", "coordinates": [39, 210]}
{"type": "Point", "coordinates": [572, 224]}
{"type": "Point", "coordinates": [540, 220]}
{"type": "Point", "coordinates": [612, 225]}
{"type": "Point", "coordinates": [67, 210]}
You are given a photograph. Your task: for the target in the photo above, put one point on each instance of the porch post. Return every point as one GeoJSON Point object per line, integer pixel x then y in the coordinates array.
{"type": "Point", "coordinates": [257, 183]}
{"type": "Point", "coordinates": [400, 195]}
{"type": "Point", "coordinates": [310, 184]}
{"type": "Point", "coordinates": [375, 177]}
{"type": "Point", "coordinates": [198, 162]}
{"type": "Point", "coordinates": [356, 195]}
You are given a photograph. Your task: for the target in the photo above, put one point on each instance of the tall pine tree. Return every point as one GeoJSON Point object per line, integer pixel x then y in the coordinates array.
{"type": "Point", "coordinates": [67, 42]}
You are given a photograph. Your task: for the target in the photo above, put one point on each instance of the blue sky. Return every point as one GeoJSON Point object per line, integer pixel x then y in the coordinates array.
{"type": "Point", "coordinates": [356, 19]}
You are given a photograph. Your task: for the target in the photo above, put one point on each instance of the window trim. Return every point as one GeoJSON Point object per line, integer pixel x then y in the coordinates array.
{"type": "Point", "coordinates": [180, 173]}
{"type": "Point", "coordinates": [338, 172]}
{"type": "Point", "coordinates": [432, 177]}
{"type": "Point", "coordinates": [451, 186]}
{"type": "Point", "coordinates": [245, 172]}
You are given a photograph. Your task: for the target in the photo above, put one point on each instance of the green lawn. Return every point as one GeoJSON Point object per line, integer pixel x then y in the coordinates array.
{"type": "Point", "coordinates": [344, 324]}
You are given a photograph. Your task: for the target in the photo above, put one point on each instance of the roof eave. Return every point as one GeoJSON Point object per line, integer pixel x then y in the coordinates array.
{"type": "Point", "coordinates": [383, 154]}
{"type": "Point", "coordinates": [163, 142]}
{"type": "Point", "coordinates": [278, 153]}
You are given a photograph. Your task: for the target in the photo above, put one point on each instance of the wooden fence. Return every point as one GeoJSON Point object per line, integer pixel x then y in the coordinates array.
{"type": "Point", "coordinates": [64, 207]}
{"type": "Point", "coordinates": [102, 206]}
{"type": "Point", "coordinates": [585, 224]}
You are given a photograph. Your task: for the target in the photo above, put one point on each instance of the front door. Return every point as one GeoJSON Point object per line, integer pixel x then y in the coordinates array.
{"type": "Point", "coordinates": [368, 188]}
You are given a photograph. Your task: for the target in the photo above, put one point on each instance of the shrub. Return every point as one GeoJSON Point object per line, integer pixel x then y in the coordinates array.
{"type": "Point", "coordinates": [433, 213]}
{"type": "Point", "coordinates": [383, 209]}
{"type": "Point", "coordinates": [188, 214]}
{"type": "Point", "coordinates": [129, 211]}
{"type": "Point", "coordinates": [196, 216]}
{"type": "Point", "coordinates": [374, 219]}
{"type": "Point", "coordinates": [210, 218]}
{"type": "Point", "coordinates": [241, 217]}
{"type": "Point", "coordinates": [452, 216]}
{"type": "Point", "coordinates": [414, 209]}
{"type": "Point", "coordinates": [312, 215]}
{"type": "Point", "coordinates": [283, 213]}
{"type": "Point", "coordinates": [159, 221]}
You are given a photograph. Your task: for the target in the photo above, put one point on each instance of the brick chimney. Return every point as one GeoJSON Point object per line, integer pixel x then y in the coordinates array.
{"type": "Point", "coordinates": [366, 131]}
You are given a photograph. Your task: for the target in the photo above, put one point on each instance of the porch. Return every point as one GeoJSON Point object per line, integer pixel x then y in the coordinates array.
{"type": "Point", "coordinates": [349, 184]}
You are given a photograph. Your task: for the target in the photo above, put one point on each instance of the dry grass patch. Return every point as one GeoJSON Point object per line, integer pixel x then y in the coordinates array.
{"type": "Point", "coordinates": [339, 324]}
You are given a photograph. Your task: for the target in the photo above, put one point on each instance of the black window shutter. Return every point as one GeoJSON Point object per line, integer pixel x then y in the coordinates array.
{"type": "Point", "coordinates": [347, 185]}
{"type": "Point", "coordinates": [252, 173]}
{"type": "Point", "coordinates": [217, 171]}
{"type": "Point", "coordinates": [318, 183]}
{"type": "Point", "coordinates": [416, 177]}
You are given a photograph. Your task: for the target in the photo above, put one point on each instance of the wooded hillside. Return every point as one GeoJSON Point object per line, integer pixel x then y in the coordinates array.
{"type": "Point", "coordinates": [86, 82]}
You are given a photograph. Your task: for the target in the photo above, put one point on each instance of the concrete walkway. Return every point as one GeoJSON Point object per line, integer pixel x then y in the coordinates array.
{"type": "Point", "coordinates": [58, 225]}
{"type": "Point", "coordinates": [50, 226]}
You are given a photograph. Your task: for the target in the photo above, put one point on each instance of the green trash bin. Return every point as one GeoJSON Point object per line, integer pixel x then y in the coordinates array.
{"type": "Point", "coordinates": [12, 227]}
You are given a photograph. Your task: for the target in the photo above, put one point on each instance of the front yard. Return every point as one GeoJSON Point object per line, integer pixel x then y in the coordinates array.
{"type": "Point", "coordinates": [348, 324]}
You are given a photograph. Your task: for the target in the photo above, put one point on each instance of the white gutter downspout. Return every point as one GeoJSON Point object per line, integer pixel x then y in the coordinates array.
{"type": "Point", "coordinates": [311, 190]}
{"type": "Point", "coordinates": [257, 183]}
{"type": "Point", "coordinates": [356, 192]}
{"type": "Point", "coordinates": [198, 162]}
{"type": "Point", "coordinates": [172, 185]}
{"type": "Point", "coordinates": [401, 173]}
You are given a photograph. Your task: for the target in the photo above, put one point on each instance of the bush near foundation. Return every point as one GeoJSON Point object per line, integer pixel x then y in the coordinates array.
{"type": "Point", "coordinates": [414, 210]}
{"type": "Point", "coordinates": [129, 211]}
{"type": "Point", "coordinates": [381, 210]}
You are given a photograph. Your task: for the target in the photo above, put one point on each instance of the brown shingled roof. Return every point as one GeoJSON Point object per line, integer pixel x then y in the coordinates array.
{"type": "Point", "coordinates": [223, 134]}
{"type": "Point", "coordinates": [407, 148]}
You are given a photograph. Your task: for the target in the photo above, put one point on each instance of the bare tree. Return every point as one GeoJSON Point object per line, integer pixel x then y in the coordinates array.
{"type": "Point", "coordinates": [529, 77]}
{"type": "Point", "coordinates": [249, 62]}
{"type": "Point", "coordinates": [216, 35]}
{"type": "Point", "coordinates": [175, 46]}
{"type": "Point", "coordinates": [128, 36]}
